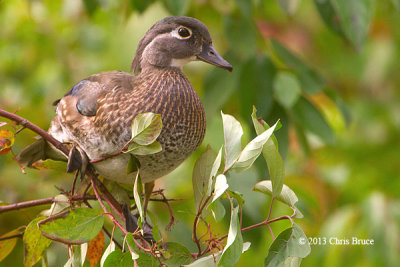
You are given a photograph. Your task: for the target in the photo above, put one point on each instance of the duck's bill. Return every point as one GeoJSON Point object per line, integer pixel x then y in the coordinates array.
{"type": "Point", "coordinates": [210, 55]}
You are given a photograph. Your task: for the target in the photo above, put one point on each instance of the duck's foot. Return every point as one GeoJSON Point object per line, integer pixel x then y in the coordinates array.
{"type": "Point", "coordinates": [77, 160]}
{"type": "Point", "coordinates": [132, 225]}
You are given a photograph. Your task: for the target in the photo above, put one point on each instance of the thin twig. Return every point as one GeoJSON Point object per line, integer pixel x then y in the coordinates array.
{"type": "Point", "coordinates": [20, 235]}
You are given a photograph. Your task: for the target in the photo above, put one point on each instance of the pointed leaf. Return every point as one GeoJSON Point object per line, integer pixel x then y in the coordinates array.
{"type": "Point", "coordinates": [287, 195]}
{"type": "Point", "coordinates": [79, 226]}
{"type": "Point", "coordinates": [232, 139]}
{"type": "Point", "coordinates": [137, 190]}
{"type": "Point", "coordinates": [292, 242]}
{"type": "Point", "coordinates": [109, 249]}
{"type": "Point", "coordinates": [131, 244]}
{"type": "Point", "coordinates": [214, 170]}
{"type": "Point", "coordinates": [201, 175]}
{"type": "Point", "coordinates": [208, 261]}
{"type": "Point", "coordinates": [34, 243]}
{"type": "Point", "coordinates": [133, 164]}
{"type": "Point", "coordinates": [272, 157]}
{"type": "Point", "coordinates": [220, 186]}
{"type": "Point", "coordinates": [253, 149]}
{"type": "Point", "coordinates": [137, 149]}
{"type": "Point", "coordinates": [234, 245]}
{"type": "Point", "coordinates": [146, 128]}
{"type": "Point", "coordinates": [6, 246]}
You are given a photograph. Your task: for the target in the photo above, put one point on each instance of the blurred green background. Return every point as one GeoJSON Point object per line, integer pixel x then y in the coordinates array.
{"type": "Point", "coordinates": [340, 115]}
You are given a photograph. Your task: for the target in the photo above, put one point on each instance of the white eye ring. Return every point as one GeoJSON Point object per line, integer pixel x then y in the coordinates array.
{"type": "Point", "coordinates": [177, 34]}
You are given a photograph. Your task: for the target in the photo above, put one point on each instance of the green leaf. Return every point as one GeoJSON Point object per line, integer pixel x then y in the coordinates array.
{"type": "Point", "coordinates": [232, 139]}
{"type": "Point", "coordinates": [309, 116]}
{"type": "Point", "coordinates": [79, 226]}
{"type": "Point", "coordinates": [6, 246]}
{"type": "Point", "coordinates": [217, 210]}
{"type": "Point", "coordinates": [50, 164]}
{"type": "Point", "coordinates": [253, 149]}
{"type": "Point", "coordinates": [131, 245]}
{"type": "Point", "coordinates": [292, 242]}
{"type": "Point", "coordinates": [355, 18]}
{"type": "Point", "coordinates": [287, 195]}
{"type": "Point", "coordinates": [201, 175]}
{"type": "Point", "coordinates": [220, 186]}
{"type": "Point", "coordinates": [272, 157]}
{"type": "Point", "coordinates": [133, 164]}
{"type": "Point", "coordinates": [214, 170]}
{"type": "Point", "coordinates": [286, 89]}
{"type": "Point", "coordinates": [118, 259]}
{"type": "Point", "coordinates": [137, 190]}
{"type": "Point", "coordinates": [180, 255]}
{"type": "Point", "coordinates": [137, 149]}
{"type": "Point", "coordinates": [234, 245]}
{"type": "Point", "coordinates": [311, 82]}
{"type": "Point", "coordinates": [34, 243]}
{"type": "Point", "coordinates": [147, 260]}
{"type": "Point", "coordinates": [208, 261]}
{"type": "Point", "coordinates": [108, 251]}
{"type": "Point", "coordinates": [289, 6]}
{"type": "Point", "coordinates": [146, 127]}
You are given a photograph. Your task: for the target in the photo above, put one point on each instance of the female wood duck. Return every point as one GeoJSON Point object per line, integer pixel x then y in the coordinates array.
{"type": "Point", "coordinates": [96, 114]}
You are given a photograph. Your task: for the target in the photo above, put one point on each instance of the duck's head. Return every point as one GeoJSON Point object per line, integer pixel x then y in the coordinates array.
{"type": "Point", "coordinates": [175, 41]}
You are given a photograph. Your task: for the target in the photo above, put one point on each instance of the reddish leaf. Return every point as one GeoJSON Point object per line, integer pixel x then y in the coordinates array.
{"type": "Point", "coordinates": [95, 249]}
{"type": "Point", "coordinates": [6, 141]}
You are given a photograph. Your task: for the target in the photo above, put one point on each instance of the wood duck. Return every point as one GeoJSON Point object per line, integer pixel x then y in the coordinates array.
{"type": "Point", "coordinates": [97, 113]}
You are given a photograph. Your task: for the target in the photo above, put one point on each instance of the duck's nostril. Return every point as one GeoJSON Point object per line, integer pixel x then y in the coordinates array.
{"type": "Point", "coordinates": [211, 53]}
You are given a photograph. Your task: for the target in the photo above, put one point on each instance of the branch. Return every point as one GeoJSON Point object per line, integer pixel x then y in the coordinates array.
{"type": "Point", "coordinates": [43, 201]}
{"type": "Point", "coordinates": [27, 124]}
{"type": "Point", "coordinates": [64, 149]}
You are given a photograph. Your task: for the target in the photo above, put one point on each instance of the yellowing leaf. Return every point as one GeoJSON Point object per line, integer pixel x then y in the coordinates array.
{"type": "Point", "coordinates": [6, 246]}
{"type": "Point", "coordinates": [34, 243]}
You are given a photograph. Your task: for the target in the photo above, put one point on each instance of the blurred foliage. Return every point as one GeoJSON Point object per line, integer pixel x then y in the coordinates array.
{"type": "Point", "coordinates": [326, 68]}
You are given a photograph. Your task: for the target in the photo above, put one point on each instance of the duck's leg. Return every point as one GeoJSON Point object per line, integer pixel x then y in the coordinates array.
{"type": "Point", "coordinates": [77, 160]}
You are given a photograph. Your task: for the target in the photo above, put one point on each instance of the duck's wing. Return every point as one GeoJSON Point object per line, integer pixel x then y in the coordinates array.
{"type": "Point", "coordinates": [88, 91]}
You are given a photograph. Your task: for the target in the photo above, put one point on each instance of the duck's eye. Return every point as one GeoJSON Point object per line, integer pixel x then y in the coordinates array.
{"type": "Point", "coordinates": [184, 32]}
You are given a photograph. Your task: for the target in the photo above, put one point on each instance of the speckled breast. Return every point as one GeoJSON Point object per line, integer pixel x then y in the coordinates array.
{"type": "Point", "coordinates": [166, 92]}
